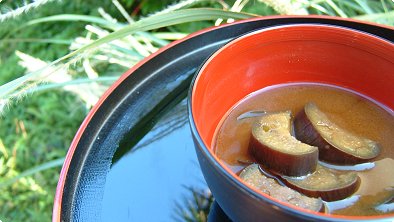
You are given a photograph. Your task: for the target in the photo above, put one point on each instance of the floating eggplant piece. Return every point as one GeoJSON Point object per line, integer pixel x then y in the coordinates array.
{"type": "Point", "coordinates": [328, 184]}
{"type": "Point", "coordinates": [336, 145]}
{"type": "Point", "coordinates": [254, 177]}
{"type": "Point", "coordinates": [273, 146]}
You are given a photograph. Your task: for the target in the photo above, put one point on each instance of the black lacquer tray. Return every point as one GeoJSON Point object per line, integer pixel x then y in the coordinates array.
{"type": "Point", "coordinates": [133, 157]}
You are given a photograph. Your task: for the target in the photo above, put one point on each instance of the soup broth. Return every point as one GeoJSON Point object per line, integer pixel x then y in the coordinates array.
{"type": "Point", "coordinates": [349, 110]}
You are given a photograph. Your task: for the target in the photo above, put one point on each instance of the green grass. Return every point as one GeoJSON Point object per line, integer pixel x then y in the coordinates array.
{"type": "Point", "coordinates": [37, 128]}
{"type": "Point", "coordinates": [35, 131]}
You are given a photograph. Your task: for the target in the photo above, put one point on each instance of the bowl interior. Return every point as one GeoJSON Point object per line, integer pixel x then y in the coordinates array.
{"type": "Point", "coordinates": [286, 54]}
{"type": "Point", "coordinates": [289, 54]}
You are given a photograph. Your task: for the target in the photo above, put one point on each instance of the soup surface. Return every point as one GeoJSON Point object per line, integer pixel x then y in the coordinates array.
{"type": "Point", "coordinates": [349, 110]}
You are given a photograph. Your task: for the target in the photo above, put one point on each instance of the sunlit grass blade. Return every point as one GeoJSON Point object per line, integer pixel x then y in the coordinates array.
{"type": "Point", "coordinates": [364, 6]}
{"type": "Point", "coordinates": [32, 171]}
{"type": "Point", "coordinates": [8, 87]}
{"type": "Point", "coordinates": [336, 8]}
{"type": "Point", "coordinates": [49, 86]}
{"type": "Point", "coordinates": [123, 11]}
{"type": "Point", "coordinates": [384, 5]}
{"type": "Point", "coordinates": [377, 16]}
{"type": "Point", "coordinates": [76, 18]}
{"type": "Point", "coordinates": [22, 9]}
{"type": "Point", "coordinates": [169, 35]}
{"type": "Point", "coordinates": [179, 5]}
{"type": "Point", "coordinates": [149, 23]}
{"type": "Point", "coordinates": [319, 8]}
{"type": "Point", "coordinates": [351, 5]}
{"type": "Point", "coordinates": [163, 20]}
{"type": "Point", "coordinates": [33, 40]}
{"type": "Point", "coordinates": [286, 7]}
{"type": "Point", "coordinates": [13, 85]}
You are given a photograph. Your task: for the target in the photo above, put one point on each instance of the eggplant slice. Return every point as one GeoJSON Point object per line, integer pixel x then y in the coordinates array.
{"type": "Point", "coordinates": [326, 183]}
{"type": "Point", "coordinates": [273, 146]}
{"type": "Point", "coordinates": [336, 145]}
{"type": "Point", "coordinates": [254, 177]}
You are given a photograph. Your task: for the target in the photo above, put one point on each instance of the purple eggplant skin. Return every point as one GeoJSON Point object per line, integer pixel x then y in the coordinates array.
{"type": "Point", "coordinates": [281, 162]}
{"type": "Point", "coordinates": [306, 132]}
{"type": "Point", "coordinates": [253, 176]}
{"type": "Point", "coordinates": [327, 195]}
{"type": "Point", "coordinates": [334, 194]}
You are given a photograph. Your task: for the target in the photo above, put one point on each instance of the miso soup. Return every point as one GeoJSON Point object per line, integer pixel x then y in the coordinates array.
{"type": "Point", "coordinates": [349, 110]}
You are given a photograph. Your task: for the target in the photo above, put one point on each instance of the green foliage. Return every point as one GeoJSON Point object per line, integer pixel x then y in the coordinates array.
{"type": "Point", "coordinates": [35, 131]}
{"type": "Point", "coordinates": [47, 52]}
{"type": "Point", "coordinates": [38, 129]}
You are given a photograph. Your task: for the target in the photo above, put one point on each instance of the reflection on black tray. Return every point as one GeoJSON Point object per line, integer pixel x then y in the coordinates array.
{"type": "Point", "coordinates": [160, 176]}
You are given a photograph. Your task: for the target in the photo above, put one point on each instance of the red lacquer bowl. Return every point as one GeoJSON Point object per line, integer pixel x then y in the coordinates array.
{"type": "Point", "coordinates": [284, 54]}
